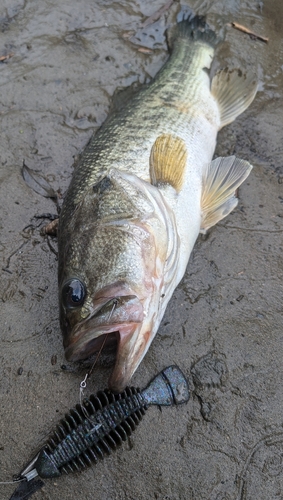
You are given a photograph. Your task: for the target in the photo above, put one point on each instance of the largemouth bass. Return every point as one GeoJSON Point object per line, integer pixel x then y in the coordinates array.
{"type": "Point", "coordinates": [143, 190]}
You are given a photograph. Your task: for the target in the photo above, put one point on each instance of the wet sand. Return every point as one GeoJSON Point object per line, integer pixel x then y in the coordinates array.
{"type": "Point", "coordinates": [223, 326]}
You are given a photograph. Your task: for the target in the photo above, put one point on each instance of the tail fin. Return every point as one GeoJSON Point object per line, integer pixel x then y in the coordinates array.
{"type": "Point", "coordinates": [192, 29]}
{"type": "Point", "coordinates": [169, 387]}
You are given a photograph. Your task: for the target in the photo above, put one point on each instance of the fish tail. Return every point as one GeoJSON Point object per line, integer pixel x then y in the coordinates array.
{"type": "Point", "coordinates": [192, 29]}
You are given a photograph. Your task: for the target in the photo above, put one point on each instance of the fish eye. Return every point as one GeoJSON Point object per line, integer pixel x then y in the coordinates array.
{"type": "Point", "coordinates": [73, 294]}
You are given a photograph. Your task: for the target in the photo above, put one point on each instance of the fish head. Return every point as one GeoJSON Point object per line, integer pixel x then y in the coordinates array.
{"type": "Point", "coordinates": [112, 258]}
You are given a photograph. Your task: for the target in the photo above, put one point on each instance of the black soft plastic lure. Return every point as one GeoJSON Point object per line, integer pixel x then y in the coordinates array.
{"type": "Point", "coordinates": [90, 431]}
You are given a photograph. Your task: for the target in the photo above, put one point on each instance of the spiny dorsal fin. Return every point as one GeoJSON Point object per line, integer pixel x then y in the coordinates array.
{"type": "Point", "coordinates": [234, 92]}
{"type": "Point", "coordinates": [168, 160]}
{"type": "Point", "coordinates": [221, 178]}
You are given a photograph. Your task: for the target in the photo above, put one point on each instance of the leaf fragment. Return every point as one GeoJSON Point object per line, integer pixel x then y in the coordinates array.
{"type": "Point", "coordinates": [37, 182]}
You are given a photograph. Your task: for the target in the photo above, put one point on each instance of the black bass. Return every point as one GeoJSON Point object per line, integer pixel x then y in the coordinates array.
{"type": "Point", "coordinates": [143, 190]}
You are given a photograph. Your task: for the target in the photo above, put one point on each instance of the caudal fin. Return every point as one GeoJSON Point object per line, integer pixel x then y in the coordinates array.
{"type": "Point", "coordinates": [192, 29]}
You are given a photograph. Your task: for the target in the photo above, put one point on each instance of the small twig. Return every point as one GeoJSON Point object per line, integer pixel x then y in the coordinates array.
{"type": "Point", "coordinates": [51, 228]}
{"type": "Point", "coordinates": [156, 15]}
{"type": "Point", "coordinates": [145, 50]}
{"type": "Point", "coordinates": [47, 216]}
{"type": "Point", "coordinates": [51, 247]}
{"type": "Point", "coordinates": [5, 58]}
{"type": "Point", "coordinates": [242, 28]}
{"type": "Point", "coordinates": [128, 34]}
{"type": "Point", "coordinates": [10, 256]}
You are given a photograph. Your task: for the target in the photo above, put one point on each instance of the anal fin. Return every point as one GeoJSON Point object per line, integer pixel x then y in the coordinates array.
{"type": "Point", "coordinates": [234, 91]}
{"type": "Point", "coordinates": [168, 160]}
{"type": "Point", "coordinates": [221, 178]}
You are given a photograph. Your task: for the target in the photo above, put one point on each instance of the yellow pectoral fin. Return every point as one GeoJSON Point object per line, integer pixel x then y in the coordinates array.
{"type": "Point", "coordinates": [234, 92]}
{"type": "Point", "coordinates": [221, 178]}
{"type": "Point", "coordinates": [168, 161]}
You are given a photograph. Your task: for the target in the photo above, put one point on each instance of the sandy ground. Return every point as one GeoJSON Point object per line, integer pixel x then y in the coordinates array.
{"type": "Point", "coordinates": [223, 325]}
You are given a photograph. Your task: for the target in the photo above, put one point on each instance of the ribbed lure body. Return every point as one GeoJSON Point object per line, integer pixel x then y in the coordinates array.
{"type": "Point", "coordinates": [90, 431]}
{"type": "Point", "coordinates": [87, 434]}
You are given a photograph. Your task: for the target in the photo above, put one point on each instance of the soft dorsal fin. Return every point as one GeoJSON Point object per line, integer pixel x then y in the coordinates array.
{"type": "Point", "coordinates": [221, 178]}
{"type": "Point", "coordinates": [168, 160]}
{"type": "Point", "coordinates": [234, 92]}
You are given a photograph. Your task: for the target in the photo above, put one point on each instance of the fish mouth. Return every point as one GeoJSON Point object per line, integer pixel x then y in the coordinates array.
{"type": "Point", "coordinates": [124, 340]}
{"type": "Point", "coordinates": [93, 340]}
{"type": "Point", "coordinates": [77, 351]}
{"type": "Point", "coordinates": [97, 332]}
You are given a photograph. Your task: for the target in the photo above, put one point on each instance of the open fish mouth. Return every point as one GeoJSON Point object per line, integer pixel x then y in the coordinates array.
{"type": "Point", "coordinates": [91, 341]}
{"type": "Point", "coordinates": [120, 330]}
{"type": "Point", "coordinates": [86, 348]}
{"type": "Point", "coordinates": [124, 340]}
